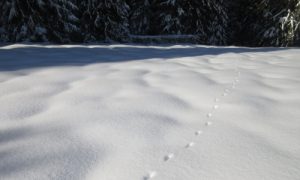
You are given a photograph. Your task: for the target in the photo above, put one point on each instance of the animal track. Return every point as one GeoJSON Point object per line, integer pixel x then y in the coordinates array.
{"type": "Point", "coordinates": [198, 133]}
{"type": "Point", "coordinates": [191, 144]}
{"type": "Point", "coordinates": [216, 106]}
{"type": "Point", "coordinates": [209, 115]}
{"type": "Point", "coordinates": [150, 175]}
{"type": "Point", "coordinates": [208, 123]}
{"type": "Point", "coordinates": [226, 92]}
{"type": "Point", "coordinates": [169, 156]}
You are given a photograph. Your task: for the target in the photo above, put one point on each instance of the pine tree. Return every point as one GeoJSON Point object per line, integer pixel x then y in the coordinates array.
{"type": "Point", "coordinates": [140, 16]}
{"type": "Point", "coordinates": [171, 15]}
{"type": "Point", "coordinates": [297, 17]}
{"type": "Point", "coordinates": [62, 21]}
{"type": "Point", "coordinates": [268, 23]}
{"type": "Point", "coordinates": [218, 27]}
{"type": "Point", "coordinates": [22, 21]}
{"type": "Point", "coordinates": [207, 19]}
{"type": "Point", "coordinates": [88, 14]}
{"type": "Point", "coordinates": [278, 25]}
{"type": "Point", "coordinates": [3, 32]}
{"type": "Point", "coordinates": [251, 22]}
{"type": "Point", "coordinates": [290, 23]}
{"type": "Point", "coordinates": [38, 20]}
{"type": "Point", "coordinates": [105, 20]}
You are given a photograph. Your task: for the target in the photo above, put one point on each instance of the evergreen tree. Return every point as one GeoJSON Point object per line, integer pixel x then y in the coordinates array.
{"type": "Point", "coordinates": [267, 23]}
{"type": "Point", "coordinates": [22, 20]}
{"type": "Point", "coordinates": [207, 19]}
{"type": "Point", "coordinates": [140, 16]}
{"type": "Point", "coordinates": [89, 29]}
{"type": "Point", "coordinates": [105, 20]}
{"type": "Point", "coordinates": [251, 22]}
{"type": "Point", "coordinates": [218, 27]}
{"type": "Point", "coordinates": [170, 15]}
{"type": "Point", "coordinates": [62, 23]}
{"type": "Point", "coordinates": [38, 20]}
{"type": "Point", "coordinates": [290, 23]}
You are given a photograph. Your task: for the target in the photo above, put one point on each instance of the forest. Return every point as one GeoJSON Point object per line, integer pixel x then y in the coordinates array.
{"type": "Point", "coordinates": [211, 22]}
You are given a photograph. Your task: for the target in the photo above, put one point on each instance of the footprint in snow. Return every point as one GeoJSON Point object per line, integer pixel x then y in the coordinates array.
{"type": "Point", "coordinates": [216, 106]}
{"type": "Point", "coordinates": [191, 144]}
{"type": "Point", "coordinates": [150, 175]}
{"type": "Point", "coordinates": [209, 115]}
{"type": "Point", "coordinates": [169, 156]}
{"type": "Point", "coordinates": [217, 100]}
{"type": "Point", "coordinates": [198, 133]}
{"type": "Point", "coordinates": [208, 123]}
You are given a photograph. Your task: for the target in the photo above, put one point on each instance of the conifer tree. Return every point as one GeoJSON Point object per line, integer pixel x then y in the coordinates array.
{"type": "Point", "coordinates": [207, 19]}
{"type": "Point", "coordinates": [267, 22]}
{"type": "Point", "coordinates": [290, 23]}
{"type": "Point", "coordinates": [38, 20]}
{"type": "Point", "coordinates": [62, 21]}
{"type": "Point", "coordinates": [22, 21]}
{"type": "Point", "coordinates": [105, 20]}
{"type": "Point", "coordinates": [238, 22]}
{"type": "Point", "coordinates": [140, 16]}
{"type": "Point", "coordinates": [88, 13]}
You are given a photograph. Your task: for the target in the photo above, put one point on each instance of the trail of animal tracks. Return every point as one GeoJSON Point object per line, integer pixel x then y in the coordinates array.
{"type": "Point", "coordinates": [129, 112]}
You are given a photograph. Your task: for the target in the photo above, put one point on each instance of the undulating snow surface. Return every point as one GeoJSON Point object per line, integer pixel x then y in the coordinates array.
{"type": "Point", "coordinates": [126, 112]}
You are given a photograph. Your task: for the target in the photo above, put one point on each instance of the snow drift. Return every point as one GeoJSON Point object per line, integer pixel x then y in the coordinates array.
{"type": "Point", "coordinates": [125, 112]}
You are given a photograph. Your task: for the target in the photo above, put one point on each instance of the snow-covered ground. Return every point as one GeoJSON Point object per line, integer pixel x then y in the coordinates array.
{"type": "Point", "coordinates": [126, 112]}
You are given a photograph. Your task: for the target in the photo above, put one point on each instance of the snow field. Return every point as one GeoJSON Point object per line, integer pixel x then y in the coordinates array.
{"type": "Point", "coordinates": [124, 112]}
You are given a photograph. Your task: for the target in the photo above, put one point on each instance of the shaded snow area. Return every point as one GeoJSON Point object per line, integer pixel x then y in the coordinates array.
{"type": "Point", "coordinates": [127, 112]}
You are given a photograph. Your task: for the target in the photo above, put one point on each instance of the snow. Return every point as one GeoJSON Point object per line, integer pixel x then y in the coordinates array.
{"type": "Point", "coordinates": [117, 112]}
{"type": "Point", "coordinates": [198, 133]}
{"type": "Point", "coordinates": [191, 144]}
{"type": "Point", "coordinates": [174, 36]}
{"type": "Point", "coordinates": [169, 156]}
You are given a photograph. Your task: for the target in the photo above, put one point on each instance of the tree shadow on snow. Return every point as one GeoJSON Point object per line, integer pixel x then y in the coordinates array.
{"type": "Point", "coordinates": [30, 152]}
{"type": "Point", "coordinates": [35, 56]}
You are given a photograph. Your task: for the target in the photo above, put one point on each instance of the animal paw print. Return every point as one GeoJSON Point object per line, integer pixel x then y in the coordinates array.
{"type": "Point", "coordinates": [150, 175]}
{"type": "Point", "coordinates": [191, 144]}
{"type": "Point", "coordinates": [169, 156]}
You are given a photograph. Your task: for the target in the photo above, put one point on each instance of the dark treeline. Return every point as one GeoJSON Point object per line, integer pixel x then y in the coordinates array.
{"type": "Point", "coordinates": [214, 22]}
